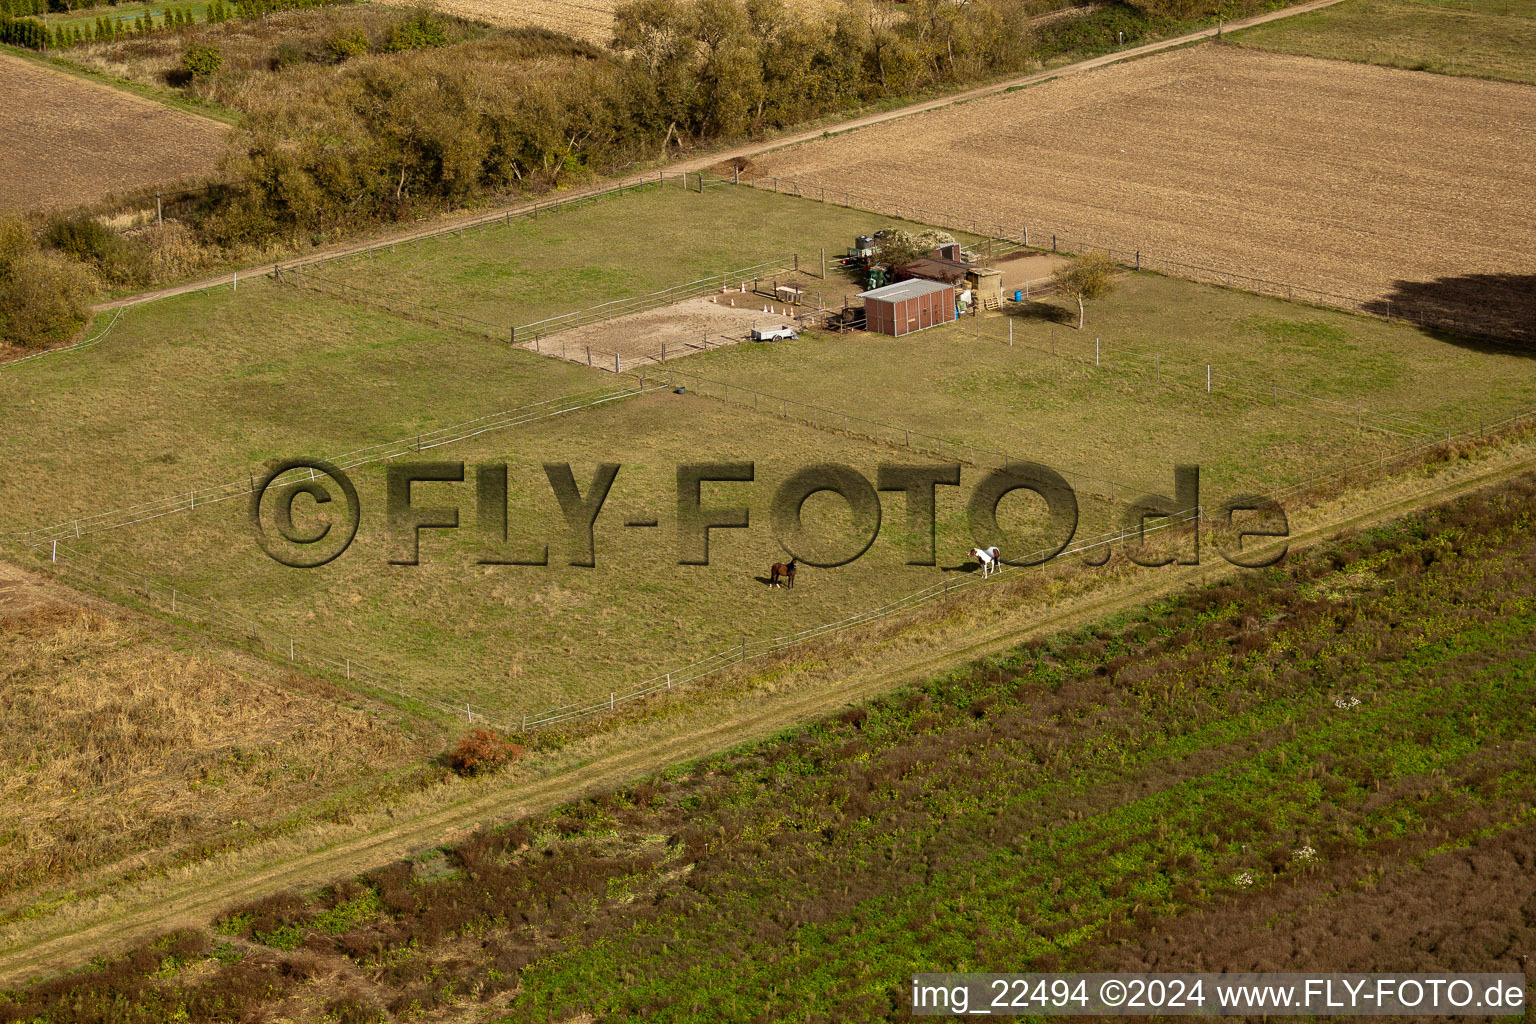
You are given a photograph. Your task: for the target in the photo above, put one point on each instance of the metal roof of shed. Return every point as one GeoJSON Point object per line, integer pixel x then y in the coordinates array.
{"type": "Point", "coordinates": [903, 290]}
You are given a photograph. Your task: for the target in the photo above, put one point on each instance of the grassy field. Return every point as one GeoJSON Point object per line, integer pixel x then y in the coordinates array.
{"type": "Point", "coordinates": [612, 249]}
{"type": "Point", "coordinates": [1477, 38]}
{"type": "Point", "coordinates": [515, 639]}
{"type": "Point", "coordinates": [1265, 772]}
{"type": "Point", "coordinates": [1144, 407]}
{"type": "Point", "coordinates": [201, 389]}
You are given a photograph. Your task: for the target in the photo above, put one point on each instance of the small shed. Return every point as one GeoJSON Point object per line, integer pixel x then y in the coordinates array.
{"type": "Point", "coordinates": [934, 268]}
{"type": "Point", "coordinates": [988, 284]}
{"type": "Point", "coordinates": [908, 306]}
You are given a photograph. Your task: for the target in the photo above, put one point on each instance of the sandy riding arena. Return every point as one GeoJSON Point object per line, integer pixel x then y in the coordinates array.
{"type": "Point", "coordinates": [681, 329]}
{"type": "Point", "coordinates": [1369, 182]}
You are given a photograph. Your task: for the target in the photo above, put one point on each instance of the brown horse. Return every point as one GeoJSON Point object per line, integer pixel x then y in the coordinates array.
{"type": "Point", "coordinates": [781, 570]}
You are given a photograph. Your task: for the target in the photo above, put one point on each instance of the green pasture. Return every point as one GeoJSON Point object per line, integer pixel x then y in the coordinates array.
{"type": "Point", "coordinates": [1477, 38]}
{"type": "Point", "coordinates": [1292, 386]}
{"type": "Point", "coordinates": [611, 248]}
{"type": "Point", "coordinates": [523, 638]}
{"type": "Point", "coordinates": [200, 389]}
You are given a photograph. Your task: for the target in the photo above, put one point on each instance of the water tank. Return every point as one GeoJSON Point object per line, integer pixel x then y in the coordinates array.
{"type": "Point", "coordinates": [864, 242]}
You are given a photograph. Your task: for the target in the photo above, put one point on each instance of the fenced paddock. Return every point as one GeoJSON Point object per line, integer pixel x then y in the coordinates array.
{"type": "Point", "coordinates": [380, 642]}
{"type": "Point", "coordinates": [576, 262]}
{"type": "Point", "coordinates": [521, 636]}
{"type": "Point", "coordinates": [615, 335]}
{"type": "Point", "coordinates": [1236, 167]}
{"type": "Point", "coordinates": [327, 656]}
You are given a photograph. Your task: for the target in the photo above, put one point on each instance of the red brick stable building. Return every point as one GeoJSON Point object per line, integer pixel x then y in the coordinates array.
{"type": "Point", "coordinates": [908, 306]}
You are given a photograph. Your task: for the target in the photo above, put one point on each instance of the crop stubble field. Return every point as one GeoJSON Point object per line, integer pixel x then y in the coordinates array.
{"type": "Point", "coordinates": [1341, 177]}
{"type": "Point", "coordinates": [70, 141]}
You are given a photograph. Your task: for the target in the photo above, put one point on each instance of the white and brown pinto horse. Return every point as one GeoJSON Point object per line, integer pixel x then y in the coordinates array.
{"type": "Point", "coordinates": [990, 560]}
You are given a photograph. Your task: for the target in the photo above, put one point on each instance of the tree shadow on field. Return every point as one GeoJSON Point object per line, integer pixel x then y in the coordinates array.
{"type": "Point", "coordinates": [1483, 312]}
{"type": "Point", "coordinates": [1041, 312]}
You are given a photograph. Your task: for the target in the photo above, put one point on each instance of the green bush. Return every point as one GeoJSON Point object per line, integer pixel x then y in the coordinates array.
{"type": "Point", "coordinates": [84, 237]}
{"type": "Point", "coordinates": [288, 54]}
{"type": "Point", "coordinates": [43, 295]}
{"type": "Point", "coordinates": [200, 60]}
{"type": "Point", "coordinates": [345, 43]}
{"type": "Point", "coordinates": [418, 31]}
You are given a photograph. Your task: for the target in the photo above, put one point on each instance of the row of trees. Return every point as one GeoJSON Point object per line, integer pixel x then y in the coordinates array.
{"type": "Point", "coordinates": [421, 130]}
{"type": "Point", "coordinates": [36, 35]}
{"type": "Point", "coordinates": [429, 129]}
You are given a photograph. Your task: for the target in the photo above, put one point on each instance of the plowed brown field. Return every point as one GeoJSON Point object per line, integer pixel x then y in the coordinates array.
{"type": "Point", "coordinates": [1365, 181]}
{"type": "Point", "coordinates": [69, 142]}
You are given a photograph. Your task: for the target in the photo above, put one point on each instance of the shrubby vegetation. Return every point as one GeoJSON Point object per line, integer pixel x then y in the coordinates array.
{"type": "Point", "coordinates": [44, 295]}
{"type": "Point", "coordinates": [200, 59]}
{"type": "Point", "coordinates": [481, 752]}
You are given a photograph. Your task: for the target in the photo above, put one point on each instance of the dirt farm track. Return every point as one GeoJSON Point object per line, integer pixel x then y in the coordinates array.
{"type": "Point", "coordinates": [1341, 177]}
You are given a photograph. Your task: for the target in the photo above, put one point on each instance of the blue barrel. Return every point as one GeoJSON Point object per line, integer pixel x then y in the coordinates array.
{"type": "Point", "coordinates": [1018, 296]}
